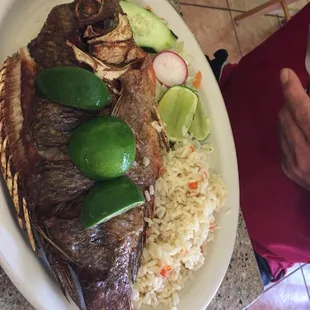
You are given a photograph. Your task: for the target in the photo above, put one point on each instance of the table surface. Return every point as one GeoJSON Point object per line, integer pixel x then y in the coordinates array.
{"type": "Point", "coordinates": [240, 287]}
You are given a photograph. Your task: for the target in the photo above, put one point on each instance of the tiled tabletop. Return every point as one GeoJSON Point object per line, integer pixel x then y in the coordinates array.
{"type": "Point", "coordinates": [242, 284]}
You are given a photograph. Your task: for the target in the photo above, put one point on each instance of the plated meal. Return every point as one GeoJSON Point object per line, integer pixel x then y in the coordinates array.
{"type": "Point", "coordinates": [105, 153]}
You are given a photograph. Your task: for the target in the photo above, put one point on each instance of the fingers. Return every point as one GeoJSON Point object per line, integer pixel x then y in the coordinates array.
{"type": "Point", "coordinates": [295, 149]}
{"type": "Point", "coordinates": [288, 163]}
{"type": "Point", "coordinates": [292, 87]}
{"type": "Point", "coordinates": [297, 100]}
{"type": "Point", "coordinates": [287, 131]}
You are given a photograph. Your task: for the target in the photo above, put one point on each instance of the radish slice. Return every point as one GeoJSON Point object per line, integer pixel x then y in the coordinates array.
{"type": "Point", "coordinates": [170, 69]}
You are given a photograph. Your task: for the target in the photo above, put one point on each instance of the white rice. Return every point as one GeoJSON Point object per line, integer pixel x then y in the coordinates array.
{"type": "Point", "coordinates": [158, 127]}
{"type": "Point", "coordinates": [151, 190]}
{"type": "Point", "coordinates": [146, 161]}
{"type": "Point", "coordinates": [147, 196]}
{"type": "Point", "coordinates": [182, 224]}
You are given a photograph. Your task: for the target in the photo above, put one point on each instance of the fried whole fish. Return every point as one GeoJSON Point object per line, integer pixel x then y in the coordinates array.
{"type": "Point", "coordinates": [46, 188]}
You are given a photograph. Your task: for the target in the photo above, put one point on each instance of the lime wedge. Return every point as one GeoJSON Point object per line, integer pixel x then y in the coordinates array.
{"type": "Point", "coordinates": [200, 126]}
{"type": "Point", "coordinates": [109, 199]}
{"type": "Point", "coordinates": [177, 108]}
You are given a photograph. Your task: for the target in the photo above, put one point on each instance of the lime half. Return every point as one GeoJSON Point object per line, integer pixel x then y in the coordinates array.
{"type": "Point", "coordinates": [200, 126]}
{"type": "Point", "coordinates": [103, 148]}
{"type": "Point", "coordinates": [177, 108]}
{"type": "Point", "coordinates": [74, 87]}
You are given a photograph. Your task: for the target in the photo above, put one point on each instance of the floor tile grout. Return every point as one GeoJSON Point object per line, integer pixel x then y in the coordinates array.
{"type": "Point", "coordinates": [278, 282]}
{"type": "Point", "coordinates": [221, 8]}
{"type": "Point", "coordinates": [267, 288]}
{"type": "Point", "coordinates": [279, 21]}
{"type": "Point", "coordinates": [303, 275]}
{"type": "Point", "coordinates": [205, 6]}
{"type": "Point", "coordinates": [236, 34]}
{"type": "Point", "coordinates": [227, 2]}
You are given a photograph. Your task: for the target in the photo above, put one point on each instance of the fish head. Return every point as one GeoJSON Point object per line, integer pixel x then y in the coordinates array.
{"type": "Point", "coordinates": [101, 14]}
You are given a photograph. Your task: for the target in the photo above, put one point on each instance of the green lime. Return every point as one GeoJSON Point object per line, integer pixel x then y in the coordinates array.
{"type": "Point", "coordinates": [103, 147]}
{"type": "Point", "coordinates": [200, 126]}
{"type": "Point", "coordinates": [177, 108]}
{"type": "Point", "coordinates": [109, 199]}
{"type": "Point", "coordinates": [74, 87]}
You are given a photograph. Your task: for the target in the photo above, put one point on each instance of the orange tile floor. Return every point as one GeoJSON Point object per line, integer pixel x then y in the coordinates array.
{"type": "Point", "coordinates": [212, 23]}
{"type": "Point", "coordinates": [202, 15]}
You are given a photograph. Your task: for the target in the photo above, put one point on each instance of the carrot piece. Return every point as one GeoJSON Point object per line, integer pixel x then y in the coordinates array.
{"type": "Point", "coordinates": [183, 252]}
{"type": "Point", "coordinates": [165, 272]}
{"type": "Point", "coordinates": [192, 148]}
{"type": "Point", "coordinates": [148, 232]}
{"type": "Point", "coordinates": [197, 80]}
{"type": "Point", "coordinates": [212, 226]}
{"type": "Point", "coordinates": [193, 185]}
{"type": "Point", "coordinates": [162, 171]}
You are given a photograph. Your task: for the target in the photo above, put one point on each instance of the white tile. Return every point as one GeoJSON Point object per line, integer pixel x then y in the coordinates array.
{"type": "Point", "coordinates": [289, 294]}
{"type": "Point", "coordinates": [306, 272]}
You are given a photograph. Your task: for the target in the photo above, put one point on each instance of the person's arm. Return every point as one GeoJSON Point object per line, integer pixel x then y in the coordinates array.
{"type": "Point", "coordinates": [294, 130]}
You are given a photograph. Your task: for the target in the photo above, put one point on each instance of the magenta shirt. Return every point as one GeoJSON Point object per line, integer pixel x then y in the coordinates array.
{"type": "Point", "coordinates": [276, 210]}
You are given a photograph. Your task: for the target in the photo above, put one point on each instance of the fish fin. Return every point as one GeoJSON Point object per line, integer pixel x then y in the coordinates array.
{"type": "Point", "coordinates": [135, 258]}
{"type": "Point", "coordinates": [62, 272]}
{"type": "Point", "coordinates": [117, 110]}
{"type": "Point", "coordinates": [52, 244]}
{"type": "Point", "coordinates": [12, 72]}
{"type": "Point", "coordinates": [104, 72]}
{"type": "Point", "coordinates": [28, 224]}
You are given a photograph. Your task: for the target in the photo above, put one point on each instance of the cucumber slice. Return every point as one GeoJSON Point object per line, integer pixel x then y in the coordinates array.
{"type": "Point", "coordinates": [148, 29]}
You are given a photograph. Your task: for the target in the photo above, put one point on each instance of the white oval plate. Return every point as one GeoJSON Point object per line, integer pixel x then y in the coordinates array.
{"type": "Point", "coordinates": [20, 21]}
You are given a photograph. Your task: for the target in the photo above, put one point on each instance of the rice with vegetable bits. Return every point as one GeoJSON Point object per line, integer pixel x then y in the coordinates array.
{"type": "Point", "coordinates": [186, 197]}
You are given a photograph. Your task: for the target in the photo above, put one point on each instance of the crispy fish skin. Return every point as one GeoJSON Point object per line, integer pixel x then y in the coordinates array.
{"type": "Point", "coordinates": [136, 106]}
{"type": "Point", "coordinates": [103, 275]}
{"type": "Point", "coordinates": [49, 48]}
{"type": "Point", "coordinates": [47, 189]}
{"type": "Point", "coordinates": [52, 124]}
{"type": "Point", "coordinates": [116, 246]}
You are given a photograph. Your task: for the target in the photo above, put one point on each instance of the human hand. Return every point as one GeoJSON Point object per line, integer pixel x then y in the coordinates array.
{"type": "Point", "coordinates": [294, 130]}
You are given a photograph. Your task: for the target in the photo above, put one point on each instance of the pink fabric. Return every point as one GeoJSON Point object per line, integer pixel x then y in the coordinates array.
{"type": "Point", "coordinates": [276, 211]}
